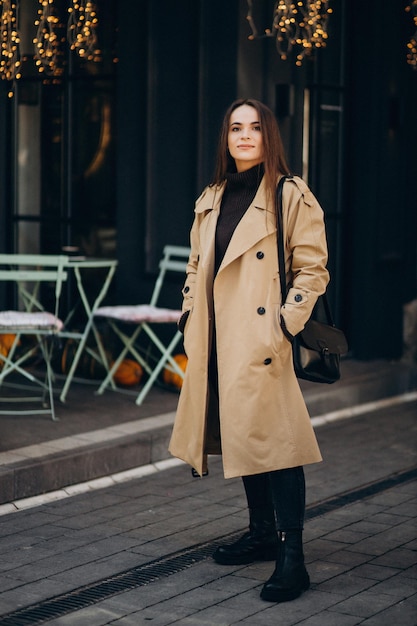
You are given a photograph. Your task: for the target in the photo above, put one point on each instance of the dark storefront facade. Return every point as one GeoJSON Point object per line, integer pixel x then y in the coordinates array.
{"type": "Point", "coordinates": [111, 155]}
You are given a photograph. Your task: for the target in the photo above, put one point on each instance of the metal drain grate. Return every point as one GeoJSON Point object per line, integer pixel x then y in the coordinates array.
{"type": "Point", "coordinates": [125, 581]}
{"type": "Point", "coordinates": [172, 563]}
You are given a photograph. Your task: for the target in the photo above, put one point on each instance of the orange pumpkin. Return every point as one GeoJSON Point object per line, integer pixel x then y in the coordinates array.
{"type": "Point", "coordinates": [172, 378]}
{"type": "Point", "coordinates": [128, 373]}
{"type": "Point", "coordinates": [6, 341]}
{"type": "Point", "coordinates": [3, 352]}
{"type": "Point", "coordinates": [87, 366]}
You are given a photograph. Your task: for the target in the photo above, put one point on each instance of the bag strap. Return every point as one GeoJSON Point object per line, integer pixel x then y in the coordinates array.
{"type": "Point", "coordinates": [280, 237]}
{"type": "Point", "coordinates": [281, 256]}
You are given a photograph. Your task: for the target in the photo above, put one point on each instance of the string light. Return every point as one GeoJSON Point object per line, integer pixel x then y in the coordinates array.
{"type": "Point", "coordinates": [10, 65]}
{"type": "Point", "coordinates": [81, 30]}
{"type": "Point", "coordinates": [412, 44]}
{"type": "Point", "coordinates": [48, 54]}
{"type": "Point", "coordinates": [300, 26]}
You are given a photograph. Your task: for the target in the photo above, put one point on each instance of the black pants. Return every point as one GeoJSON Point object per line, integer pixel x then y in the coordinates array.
{"type": "Point", "coordinates": [281, 490]}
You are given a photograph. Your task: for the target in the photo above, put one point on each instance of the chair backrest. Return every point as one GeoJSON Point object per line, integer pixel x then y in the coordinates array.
{"type": "Point", "coordinates": [22, 269]}
{"type": "Point", "coordinates": [174, 259]}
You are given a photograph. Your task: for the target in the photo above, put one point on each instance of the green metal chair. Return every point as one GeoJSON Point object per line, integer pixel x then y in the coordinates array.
{"type": "Point", "coordinates": [145, 317]}
{"type": "Point", "coordinates": [32, 326]}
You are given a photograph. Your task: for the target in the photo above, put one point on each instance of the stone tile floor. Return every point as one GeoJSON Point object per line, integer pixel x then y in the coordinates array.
{"type": "Point", "coordinates": [100, 547]}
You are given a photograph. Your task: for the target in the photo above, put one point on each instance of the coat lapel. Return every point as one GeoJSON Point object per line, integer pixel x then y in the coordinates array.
{"type": "Point", "coordinates": [210, 205]}
{"type": "Point", "coordinates": [257, 222]}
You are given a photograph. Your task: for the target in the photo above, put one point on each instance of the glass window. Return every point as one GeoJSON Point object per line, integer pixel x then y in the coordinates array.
{"type": "Point", "coordinates": [64, 132]}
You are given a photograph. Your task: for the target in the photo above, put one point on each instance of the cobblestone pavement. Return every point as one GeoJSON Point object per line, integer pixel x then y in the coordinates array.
{"type": "Point", "coordinates": [138, 552]}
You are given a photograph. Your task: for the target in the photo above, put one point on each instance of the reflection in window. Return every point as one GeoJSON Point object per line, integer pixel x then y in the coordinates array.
{"type": "Point", "coordinates": [64, 174]}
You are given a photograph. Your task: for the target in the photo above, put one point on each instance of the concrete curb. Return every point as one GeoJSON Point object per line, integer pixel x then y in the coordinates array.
{"type": "Point", "coordinates": [34, 470]}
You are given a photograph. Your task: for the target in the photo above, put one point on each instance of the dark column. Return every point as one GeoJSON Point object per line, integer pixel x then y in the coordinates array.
{"type": "Point", "coordinates": [131, 146]}
{"type": "Point", "coordinates": [171, 158]}
{"type": "Point", "coordinates": [381, 132]}
{"type": "Point", "coordinates": [218, 78]}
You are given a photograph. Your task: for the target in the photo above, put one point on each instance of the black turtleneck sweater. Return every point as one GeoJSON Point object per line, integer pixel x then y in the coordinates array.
{"type": "Point", "coordinates": [239, 193]}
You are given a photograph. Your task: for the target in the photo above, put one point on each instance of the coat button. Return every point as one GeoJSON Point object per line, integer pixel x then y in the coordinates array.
{"type": "Point", "coordinates": [298, 297]}
{"type": "Point", "coordinates": [267, 361]}
{"type": "Point", "coordinates": [260, 255]}
{"type": "Point", "coordinates": [186, 289]}
{"type": "Point", "coordinates": [261, 310]}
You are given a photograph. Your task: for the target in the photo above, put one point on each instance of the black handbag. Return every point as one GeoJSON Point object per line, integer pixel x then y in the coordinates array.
{"type": "Point", "coordinates": [317, 348]}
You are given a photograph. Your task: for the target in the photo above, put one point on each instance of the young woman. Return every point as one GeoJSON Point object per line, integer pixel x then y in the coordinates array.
{"type": "Point", "coordinates": [240, 396]}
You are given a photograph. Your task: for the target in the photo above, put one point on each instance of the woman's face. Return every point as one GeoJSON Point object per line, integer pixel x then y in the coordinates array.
{"type": "Point", "coordinates": [245, 137]}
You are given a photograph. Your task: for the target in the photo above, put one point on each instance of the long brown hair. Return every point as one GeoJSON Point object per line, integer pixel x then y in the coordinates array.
{"type": "Point", "coordinates": [275, 161]}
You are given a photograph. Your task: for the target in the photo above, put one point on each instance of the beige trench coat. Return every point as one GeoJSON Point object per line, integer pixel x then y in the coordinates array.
{"type": "Point", "coordinates": [264, 423]}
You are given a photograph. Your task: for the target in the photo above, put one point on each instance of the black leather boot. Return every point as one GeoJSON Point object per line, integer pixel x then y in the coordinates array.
{"type": "Point", "coordinates": [259, 544]}
{"type": "Point", "coordinates": [290, 577]}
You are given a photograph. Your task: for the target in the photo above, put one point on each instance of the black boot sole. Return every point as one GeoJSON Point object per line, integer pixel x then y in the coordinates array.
{"type": "Point", "coordinates": [284, 595]}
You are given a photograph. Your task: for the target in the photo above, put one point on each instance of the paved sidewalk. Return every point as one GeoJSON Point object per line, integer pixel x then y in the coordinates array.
{"type": "Point", "coordinates": [138, 552]}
